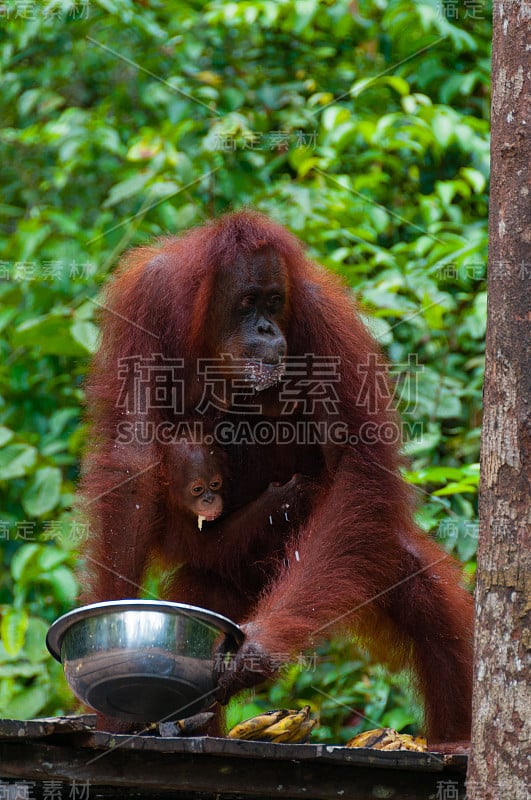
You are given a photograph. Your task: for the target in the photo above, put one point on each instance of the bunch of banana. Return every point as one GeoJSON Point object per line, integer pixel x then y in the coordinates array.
{"type": "Point", "coordinates": [283, 725]}
{"type": "Point", "coordinates": [388, 739]}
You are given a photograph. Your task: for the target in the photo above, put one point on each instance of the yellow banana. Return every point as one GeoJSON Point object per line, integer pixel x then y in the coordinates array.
{"type": "Point", "coordinates": [372, 738]}
{"type": "Point", "coordinates": [298, 735]}
{"type": "Point", "coordinates": [284, 725]}
{"type": "Point", "coordinates": [387, 739]}
{"type": "Point", "coordinates": [251, 728]}
{"type": "Point", "coordinates": [287, 727]}
{"type": "Point", "coordinates": [417, 743]}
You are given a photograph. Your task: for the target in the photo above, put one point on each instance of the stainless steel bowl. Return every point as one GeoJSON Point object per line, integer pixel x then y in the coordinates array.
{"type": "Point", "coordinates": [142, 660]}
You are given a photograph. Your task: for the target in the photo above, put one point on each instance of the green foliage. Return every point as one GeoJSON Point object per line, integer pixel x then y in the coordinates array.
{"type": "Point", "coordinates": [363, 127]}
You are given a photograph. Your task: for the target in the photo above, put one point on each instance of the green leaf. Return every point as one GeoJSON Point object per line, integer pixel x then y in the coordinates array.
{"type": "Point", "coordinates": [86, 334]}
{"type": "Point", "coordinates": [18, 669]}
{"type": "Point", "coordinates": [50, 557]}
{"type": "Point", "coordinates": [27, 703]}
{"type": "Point", "coordinates": [23, 558]}
{"type": "Point", "coordinates": [35, 649]}
{"type": "Point", "coordinates": [443, 128]}
{"type": "Point", "coordinates": [447, 405]}
{"type": "Point", "coordinates": [64, 585]}
{"type": "Point", "coordinates": [467, 545]}
{"type": "Point", "coordinates": [472, 470]}
{"type": "Point", "coordinates": [397, 718]}
{"type": "Point", "coordinates": [434, 314]}
{"type": "Point", "coordinates": [6, 434]}
{"type": "Point", "coordinates": [435, 474]}
{"type": "Point", "coordinates": [475, 178]}
{"type": "Point", "coordinates": [43, 492]}
{"type": "Point", "coordinates": [398, 84]}
{"type": "Point", "coordinates": [13, 629]}
{"type": "Point", "coordinates": [60, 419]}
{"type": "Point", "coordinates": [6, 315]}
{"type": "Point", "coordinates": [334, 116]}
{"type": "Point", "coordinates": [144, 149]}
{"type": "Point", "coordinates": [16, 460]}
{"type": "Point", "coordinates": [379, 327]}
{"type": "Point", "coordinates": [455, 488]}
{"type": "Point", "coordinates": [429, 441]}
{"type": "Point", "coordinates": [131, 187]}
{"type": "Point", "coordinates": [51, 334]}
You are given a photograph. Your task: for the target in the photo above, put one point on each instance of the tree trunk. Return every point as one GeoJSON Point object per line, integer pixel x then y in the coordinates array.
{"type": "Point", "coordinates": [499, 763]}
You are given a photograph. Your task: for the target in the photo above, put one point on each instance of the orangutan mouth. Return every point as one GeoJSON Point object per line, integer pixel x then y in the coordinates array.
{"type": "Point", "coordinates": [206, 518]}
{"type": "Point", "coordinates": [262, 375]}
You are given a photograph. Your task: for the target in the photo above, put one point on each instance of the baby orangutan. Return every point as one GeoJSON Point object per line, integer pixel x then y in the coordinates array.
{"type": "Point", "coordinates": [199, 482]}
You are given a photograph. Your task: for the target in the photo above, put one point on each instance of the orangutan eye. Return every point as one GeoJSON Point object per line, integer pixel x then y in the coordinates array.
{"type": "Point", "coordinates": [274, 303]}
{"type": "Point", "coordinates": [248, 302]}
{"type": "Point", "coordinates": [215, 485]}
{"type": "Point", "coordinates": [197, 490]}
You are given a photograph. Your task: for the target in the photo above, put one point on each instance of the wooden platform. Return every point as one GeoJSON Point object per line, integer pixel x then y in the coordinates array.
{"type": "Point", "coordinates": [70, 753]}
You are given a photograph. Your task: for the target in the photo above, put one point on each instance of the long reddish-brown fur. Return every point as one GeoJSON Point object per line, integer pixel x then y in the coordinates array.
{"type": "Point", "coordinates": [352, 559]}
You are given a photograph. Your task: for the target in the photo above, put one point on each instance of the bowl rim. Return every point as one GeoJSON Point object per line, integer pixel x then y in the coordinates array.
{"type": "Point", "coordinates": [61, 625]}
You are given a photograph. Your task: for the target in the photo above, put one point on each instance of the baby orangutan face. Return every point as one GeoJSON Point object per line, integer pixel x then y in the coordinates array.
{"type": "Point", "coordinates": [201, 485]}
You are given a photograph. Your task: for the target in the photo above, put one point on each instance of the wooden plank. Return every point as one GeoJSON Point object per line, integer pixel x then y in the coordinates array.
{"type": "Point", "coordinates": [149, 767]}
{"type": "Point", "coordinates": [153, 771]}
{"type": "Point", "coordinates": [46, 726]}
{"type": "Point", "coordinates": [206, 745]}
{"type": "Point", "coordinates": [79, 731]}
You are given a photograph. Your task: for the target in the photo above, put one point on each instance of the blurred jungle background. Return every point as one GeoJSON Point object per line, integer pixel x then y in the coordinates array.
{"type": "Point", "coordinates": [362, 125]}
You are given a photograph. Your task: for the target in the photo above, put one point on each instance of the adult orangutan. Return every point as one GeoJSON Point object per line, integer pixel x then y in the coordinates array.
{"type": "Point", "coordinates": [231, 329]}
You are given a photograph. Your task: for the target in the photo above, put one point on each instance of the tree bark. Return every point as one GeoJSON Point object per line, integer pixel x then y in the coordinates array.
{"type": "Point", "coordinates": [499, 767]}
